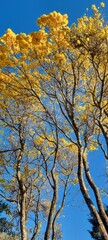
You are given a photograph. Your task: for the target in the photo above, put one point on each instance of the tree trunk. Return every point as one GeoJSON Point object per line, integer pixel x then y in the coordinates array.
{"type": "Point", "coordinates": [49, 227]}
{"type": "Point", "coordinates": [23, 216]}
{"type": "Point", "coordinates": [22, 189]}
{"type": "Point", "coordinates": [88, 200]}
{"type": "Point", "coordinates": [51, 212]}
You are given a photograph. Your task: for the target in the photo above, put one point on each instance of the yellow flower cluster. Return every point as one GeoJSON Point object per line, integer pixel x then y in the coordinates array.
{"type": "Point", "coordinates": [102, 4]}
{"type": "Point", "coordinates": [94, 8]}
{"type": "Point", "coordinates": [53, 20]}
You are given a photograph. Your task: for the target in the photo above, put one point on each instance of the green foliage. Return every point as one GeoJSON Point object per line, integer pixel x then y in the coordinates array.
{"type": "Point", "coordinates": [6, 226]}
{"type": "Point", "coordinates": [95, 234]}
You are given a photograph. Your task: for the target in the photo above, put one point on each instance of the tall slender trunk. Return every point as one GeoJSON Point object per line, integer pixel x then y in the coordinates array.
{"type": "Point", "coordinates": [51, 215]}
{"type": "Point", "coordinates": [23, 214]}
{"type": "Point", "coordinates": [49, 227]}
{"type": "Point", "coordinates": [22, 189]}
{"type": "Point", "coordinates": [88, 200]}
{"type": "Point", "coordinates": [102, 212]}
{"type": "Point", "coordinates": [22, 204]}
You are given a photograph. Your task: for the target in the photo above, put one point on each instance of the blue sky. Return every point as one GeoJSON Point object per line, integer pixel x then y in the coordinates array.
{"type": "Point", "coordinates": [21, 16]}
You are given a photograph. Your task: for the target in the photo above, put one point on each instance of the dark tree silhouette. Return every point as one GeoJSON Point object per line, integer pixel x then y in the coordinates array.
{"type": "Point", "coordinates": [6, 226]}
{"type": "Point", "coordinates": [95, 234]}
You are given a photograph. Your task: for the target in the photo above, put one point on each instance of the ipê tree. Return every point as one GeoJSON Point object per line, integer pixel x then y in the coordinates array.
{"type": "Point", "coordinates": [35, 171]}
{"type": "Point", "coordinates": [65, 70]}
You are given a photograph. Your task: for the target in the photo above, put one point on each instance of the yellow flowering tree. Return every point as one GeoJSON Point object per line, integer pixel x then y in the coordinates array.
{"type": "Point", "coordinates": [32, 174]}
{"type": "Point", "coordinates": [63, 73]}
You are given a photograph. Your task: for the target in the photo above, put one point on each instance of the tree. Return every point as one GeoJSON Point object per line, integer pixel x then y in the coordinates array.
{"type": "Point", "coordinates": [95, 234]}
{"type": "Point", "coordinates": [64, 71]}
{"type": "Point", "coordinates": [5, 225]}
{"type": "Point", "coordinates": [31, 165]}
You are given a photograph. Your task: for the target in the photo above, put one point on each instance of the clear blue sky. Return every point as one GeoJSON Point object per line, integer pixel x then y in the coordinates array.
{"type": "Point", "coordinates": [21, 16]}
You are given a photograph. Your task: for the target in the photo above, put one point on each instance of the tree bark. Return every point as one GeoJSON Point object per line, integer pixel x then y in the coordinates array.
{"type": "Point", "coordinates": [22, 189]}
{"type": "Point", "coordinates": [102, 212]}
{"type": "Point", "coordinates": [53, 202]}
{"type": "Point", "coordinates": [87, 198]}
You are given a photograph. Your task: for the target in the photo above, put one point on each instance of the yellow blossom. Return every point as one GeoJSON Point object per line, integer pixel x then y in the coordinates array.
{"type": "Point", "coordinates": [78, 41]}
{"type": "Point", "coordinates": [102, 4]}
{"type": "Point", "coordinates": [94, 8]}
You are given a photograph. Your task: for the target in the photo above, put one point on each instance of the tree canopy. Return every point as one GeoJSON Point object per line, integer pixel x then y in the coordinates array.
{"type": "Point", "coordinates": [54, 111]}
